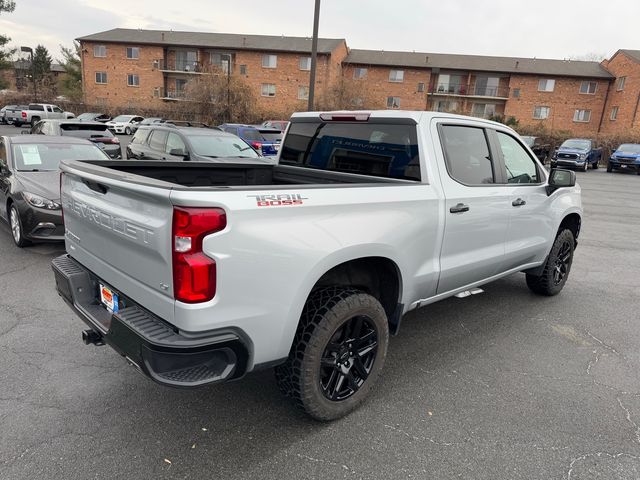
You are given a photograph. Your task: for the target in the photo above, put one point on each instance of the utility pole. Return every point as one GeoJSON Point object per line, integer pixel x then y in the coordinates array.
{"type": "Point", "coordinates": [314, 57]}
{"type": "Point", "coordinates": [29, 50]}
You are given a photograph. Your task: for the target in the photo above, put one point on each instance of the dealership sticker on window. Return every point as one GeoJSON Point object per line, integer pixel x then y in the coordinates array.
{"type": "Point", "coordinates": [30, 155]}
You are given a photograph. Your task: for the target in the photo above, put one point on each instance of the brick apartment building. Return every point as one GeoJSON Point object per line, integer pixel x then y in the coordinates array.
{"type": "Point", "coordinates": [621, 111]}
{"type": "Point", "coordinates": [130, 68]}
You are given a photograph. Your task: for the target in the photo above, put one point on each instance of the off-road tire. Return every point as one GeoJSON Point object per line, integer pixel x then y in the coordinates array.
{"type": "Point", "coordinates": [325, 312]}
{"type": "Point", "coordinates": [546, 283]}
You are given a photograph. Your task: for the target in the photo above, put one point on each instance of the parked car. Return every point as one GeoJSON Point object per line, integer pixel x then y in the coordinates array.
{"type": "Point", "coordinates": [626, 157]}
{"type": "Point", "coordinates": [541, 150]}
{"type": "Point", "coordinates": [308, 264]}
{"type": "Point", "coordinates": [169, 142]}
{"type": "Point", "coordinates": [145, 122]}
{"type": "Point", "coordinates": [124, 124]}
{"type": "Point", "coordinates": [36, 112]}
{"type": "Point", "coordinates": [7, 109]}
{"type": "Point", "coordinates": [253, 137]}
{"type": "Point", "coordinates": [277, 124]}
{"type": "Point", "coordinates": [94, 117]}
{"type": "Point", "coordinates": [96, 132]}
{"type": "Point", "coordinates": [30, 183]}
{"type": "Point", "coordinates": [577, 153]}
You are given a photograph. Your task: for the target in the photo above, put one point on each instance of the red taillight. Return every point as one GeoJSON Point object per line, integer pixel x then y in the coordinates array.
{"type": "Point", "coordinates": [256, 145]}
{"type": "Point", "coordinates": [24, 114]}
{"type": "Point", "coordinates": [194, 273]}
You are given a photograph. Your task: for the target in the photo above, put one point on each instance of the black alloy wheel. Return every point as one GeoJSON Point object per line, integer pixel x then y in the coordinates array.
{"type": "Point", "coordinates": [348, 358]}
{"type": "Point", "coordinates": [562, 263]}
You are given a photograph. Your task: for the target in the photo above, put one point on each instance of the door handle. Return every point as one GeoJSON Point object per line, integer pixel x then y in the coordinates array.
{"type": "Point", "coordinates": [518, 202]}
{"type": "Point", "coordinates": [459, 208]}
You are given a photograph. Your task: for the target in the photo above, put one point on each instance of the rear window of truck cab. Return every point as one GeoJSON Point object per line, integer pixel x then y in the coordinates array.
{"type": "Point", "coordinates": [376, 149]}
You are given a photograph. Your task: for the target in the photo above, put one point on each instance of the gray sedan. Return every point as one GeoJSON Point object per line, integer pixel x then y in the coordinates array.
{"type": "Point", "coordinates": [30, 183]}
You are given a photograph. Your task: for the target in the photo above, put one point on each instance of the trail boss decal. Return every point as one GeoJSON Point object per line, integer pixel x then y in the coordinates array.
{"type": "Point", "coordinates": [279, 200]}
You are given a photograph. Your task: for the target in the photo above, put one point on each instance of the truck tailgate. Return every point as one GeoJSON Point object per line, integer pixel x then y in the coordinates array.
{"type": "Point", "coordinates": [122, 231]}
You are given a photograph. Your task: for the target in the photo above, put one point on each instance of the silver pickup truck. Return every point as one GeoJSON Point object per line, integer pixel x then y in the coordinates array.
{"type": "Point", "coordinates": [199, 273]}
{"type": "Point", "coordinates": [35, 112]}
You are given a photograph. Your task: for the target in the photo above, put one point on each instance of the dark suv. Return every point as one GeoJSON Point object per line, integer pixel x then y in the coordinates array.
{"type": "Point", "coordinates": [170, 142]}
{"type": "Point", "coordinates": [96, 132]}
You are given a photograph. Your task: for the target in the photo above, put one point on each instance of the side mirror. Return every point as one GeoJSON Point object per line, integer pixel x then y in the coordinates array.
{"type": "Point", "coordinates": [559, 178]}
{"type": "Point", "coordinates": [178, 152]}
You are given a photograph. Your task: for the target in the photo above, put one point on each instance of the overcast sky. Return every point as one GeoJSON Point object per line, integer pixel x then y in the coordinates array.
{"type": "Point", "coordinates": [538, 28]}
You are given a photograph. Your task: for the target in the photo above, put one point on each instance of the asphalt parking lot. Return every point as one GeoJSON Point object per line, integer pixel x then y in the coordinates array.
{"type": "Point", "coordinates": [502, 385]}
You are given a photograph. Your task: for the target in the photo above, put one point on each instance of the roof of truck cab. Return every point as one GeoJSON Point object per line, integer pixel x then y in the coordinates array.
{"type": "Point", "coordinates": [417, 115]}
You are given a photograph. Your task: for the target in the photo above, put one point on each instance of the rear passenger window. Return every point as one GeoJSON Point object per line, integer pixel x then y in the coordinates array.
{"type": "Point", "coordinates": [140, 136]}
{"type": "Point", "coordinates": [158, 140]}
{"type": "Point", "coordinates": [520, 167]}
{"type": "Point", "coordinates": [467, 155]}
{"type": "Point", "coordinates": [174, 142]}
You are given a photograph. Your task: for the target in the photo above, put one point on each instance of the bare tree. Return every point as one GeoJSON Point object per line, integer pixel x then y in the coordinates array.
{"type": "Point", "coordinates": [589, 57]}
{"type": "Point", "coordinates": [349, 94]}
{"type": "Point", "coordinates": [220, 97]}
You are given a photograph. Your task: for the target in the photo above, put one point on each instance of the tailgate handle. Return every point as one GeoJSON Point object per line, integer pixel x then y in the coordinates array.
{"type": "Point", "coordinates": [96, 187]}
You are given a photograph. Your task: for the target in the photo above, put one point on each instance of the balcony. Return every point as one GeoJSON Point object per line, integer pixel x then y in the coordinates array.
{"type": "Point", "coordinates": [174, 95]}
{"type": "Point", "coordinates": [470, 90]}
{"type": "Point", "coordinates": [178, 66]}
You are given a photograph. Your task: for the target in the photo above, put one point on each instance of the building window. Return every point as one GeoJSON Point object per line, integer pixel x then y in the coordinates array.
{"type": "Point", "coordinates": [546, 85]}
{"type": "Point", "coordinates": [303, 93]}
{"type": "Point", "coordinates": [221, 61]}
{"type": "Point", "coordinates": [305, 63]}
{"type": "Point", "coordinates": [133, 53]}
{"type": "Point", "coordinates": [133, 80]}
{"type": "Point", "coordinates": [99, 50]}
{"type": "Point", "coordinates": [393, 102]}
{"type": "Point", "coordinates": [484, 110]}
{"type": "Point", "coordinates": [101, 77]}
{"type": "Point", "coordinates": [268, 90]}
{"type": "Point", "coordinates": [446, 106]}
{"type": "Point", "coordinates": [588, 87]}
{"type": "Point", "coordinates": [614, 113]}
{"type": "Point", "coordinates": [516, 93]}
{"type": "Point", "coordinates": [582, 116]}
{"type": "Point", "coordinates": [420, 86]}
{"type": "Point", "coordinates": [269, 61]}
{"type": "Point", "coordinates": [359, 73]}
{"type": "Point", "coordinates": [396, 75]}
{"type": "Point", "coordinates": [540, 113]}
{"type": "Point", "coordinates": [243, 69]}
{"type": "Point", "coordinates": [621, 82]}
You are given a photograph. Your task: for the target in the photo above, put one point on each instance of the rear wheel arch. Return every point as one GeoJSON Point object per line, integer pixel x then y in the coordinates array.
{"type": "Point", "coordinates": [378, 276]}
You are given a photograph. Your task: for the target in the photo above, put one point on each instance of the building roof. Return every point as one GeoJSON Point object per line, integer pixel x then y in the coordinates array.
{"type": "Point", "coordinates": [213, 40]}
{"type": "Point", "coordinates": [538, 66]}
{"type": "Point", "coordinates": [634, 54]}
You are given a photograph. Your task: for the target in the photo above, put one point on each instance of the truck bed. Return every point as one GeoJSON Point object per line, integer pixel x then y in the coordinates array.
{"type": "Point", "coordinates": [227, 175]}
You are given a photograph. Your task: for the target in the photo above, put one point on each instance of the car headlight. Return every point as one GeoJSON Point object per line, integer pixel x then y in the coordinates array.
{"type": "Point", "coordinates": [583, 156]}
{"type": "Point", "coordinates": [40, 202]}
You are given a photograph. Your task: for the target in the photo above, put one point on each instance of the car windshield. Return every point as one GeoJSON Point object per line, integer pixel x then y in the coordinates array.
{"type": "Point", "coordinates": [529, 141]}
{"type": "Point", "coordinates": [271, 136]}
{"type": "Point", "coordinates": [123, 118]}
{"type": "Point", "coordinates": [85, 131]}
{"type": "Point", "coordinates": [40, 157]}
{"type": "Point", "coordinates": [629, 148]}
{"type": "Point", "coordinates": [578, 144]}
{"type": "Point", "coordinates": [221, 146]}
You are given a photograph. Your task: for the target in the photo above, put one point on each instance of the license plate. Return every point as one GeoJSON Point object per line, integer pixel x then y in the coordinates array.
{"type": "Point", "coordinates": [109, 299]}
